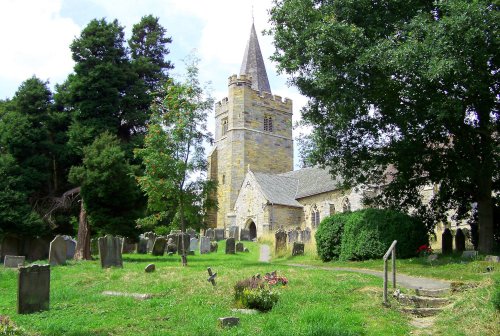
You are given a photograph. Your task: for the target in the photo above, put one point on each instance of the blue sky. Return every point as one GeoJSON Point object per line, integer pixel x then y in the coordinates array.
{"type": "Point", "coordinates": [36, 34]}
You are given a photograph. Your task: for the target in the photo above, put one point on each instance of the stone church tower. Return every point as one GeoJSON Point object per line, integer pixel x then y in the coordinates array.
{"type": "Point", "coordinates": [253, 130]}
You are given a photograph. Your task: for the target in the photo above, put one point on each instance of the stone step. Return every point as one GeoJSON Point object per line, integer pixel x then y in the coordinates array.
{"type": "Point", "coordinates": [422, 301]}
{"type": "Point", "coordinates": [422, 312]}
{"type": "Point", "coordinates": [433, 292]}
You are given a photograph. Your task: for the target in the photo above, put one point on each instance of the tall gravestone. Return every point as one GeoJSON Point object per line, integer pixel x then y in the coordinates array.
{"type": "Point", "coordinates": [142, 246]}
{"type": "Point", "coordinates": [230, 246]}
{"type": "Point", "coordinates": [193, 244]}
{"type": "Point", "coordinates": [58, 251]}
{"type": "Point", "coordinates": [180, 238]}
{"type": "Point", "coordinates": [280, 241]}
{"type": "Point", "coordinates": [298, 248]}
{"type": "Point", "coordinates": [110, 251]}
{"type": "Point", "coordinates": [210, 234]}
{"type": "Point", "coordinates": [447, 242]}
{"type": "Point", "coordinates": [459, 241]}
{"type": "Point", "coordinates": [159, 246]}
{"type": "Point", "coordinates": [13, 261]}
{"type": "Point", "coordinates": [70, 247]}
{"type": "Point", "coordinates": [33, 289]}
{"type": "Point", "coordinates": [219, 234]}
{"type": "Point", "coordinates": [151, 236]}
{"type": "Point", "coordinates": [245, 234]}
{"type": "Point", "coordinates": [204, 245]}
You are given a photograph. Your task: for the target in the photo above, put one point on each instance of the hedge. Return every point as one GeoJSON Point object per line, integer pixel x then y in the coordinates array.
{"type": "Point", "coordinates": [328, 236]}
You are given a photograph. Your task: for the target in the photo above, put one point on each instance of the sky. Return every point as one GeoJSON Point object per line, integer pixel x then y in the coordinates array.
{"type": "Point", "coordinates": [36, 34]}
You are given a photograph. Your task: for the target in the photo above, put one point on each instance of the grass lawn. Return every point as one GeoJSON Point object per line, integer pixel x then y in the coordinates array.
{"type": "Point", "coordinates": [315, 302]}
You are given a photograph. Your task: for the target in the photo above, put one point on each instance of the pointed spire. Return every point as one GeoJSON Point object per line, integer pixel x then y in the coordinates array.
{"type": "Point", "coordinates": [253, 64]}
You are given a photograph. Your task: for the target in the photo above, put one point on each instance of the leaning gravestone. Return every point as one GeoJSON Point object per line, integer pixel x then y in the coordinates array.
{"type": "Point", "coordinates": [13, 261]}
{"type": "Point", "coordinates": [193, 244]}
{"type": "Point", "coordinates": [239, 247]}
{"type": "Point", "coordinates": [142, 246]}
{"type": "Point", "coordinates": [298, 249]}
{"type": "Point", "coordinates": [280, 241]}
{"type": "Point", "coordinates": [159, 246]}
{"type": "Point", "coordinates": [70, 247]}
{"type": "Point", "coordinates": [204, 245]}
{"type": "Point", "coordinates": [33, 289]}
{"type": "Point", "coordinates": [447, 242]}
{"type": "Point", "coordinates": [210, 234]}
{"type": "Point", "coordinates": [459, 241]}
{"type": "Point", "coordinates": [58, 251]}
{"type": "Point", "coordinates": [110, 251]}
{"type": "Point", "coordinates": [244, 234]}
{"type": "Point", "coordinates": [186, 238]}
{"type": "Point", "coordinates": [219, 234]}
{"type": "Point", "coordinates": [230, 246]}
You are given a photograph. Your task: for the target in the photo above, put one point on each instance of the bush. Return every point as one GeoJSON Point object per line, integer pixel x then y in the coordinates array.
{"type": "Point", "coordinates": [328, 236]}
{"type": "Point", "coordinates": [257, 293]}
{"type": "Point", "coordinates": [495, 297]}
{"type": "Point", "coordinates": [369, 233]}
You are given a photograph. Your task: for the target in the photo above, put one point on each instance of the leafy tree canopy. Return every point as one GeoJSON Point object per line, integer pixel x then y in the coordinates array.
{"type": "Point", "coordinates": [411, 85]}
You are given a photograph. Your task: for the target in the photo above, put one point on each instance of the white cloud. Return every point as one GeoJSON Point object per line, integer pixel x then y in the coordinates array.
{"type": "Point", "coordinates": [35, 41]}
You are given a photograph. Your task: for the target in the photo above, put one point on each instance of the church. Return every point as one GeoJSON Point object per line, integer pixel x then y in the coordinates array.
{"type": "Point", "coordinates": [252, 160]}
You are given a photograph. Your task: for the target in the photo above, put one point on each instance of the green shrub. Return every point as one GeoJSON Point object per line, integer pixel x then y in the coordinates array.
{"type": "Point", "coordinates": [368, 234]}
{"type": "Point", "coordinates": [255, 293]}
{"type": "Point", "coordinates": [328, 236]}
{"type": "Point", "coordinates": [495, 297]}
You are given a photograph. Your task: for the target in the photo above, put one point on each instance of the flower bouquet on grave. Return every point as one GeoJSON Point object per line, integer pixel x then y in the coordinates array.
{"type": "Point", "coordinates": [424, 250]}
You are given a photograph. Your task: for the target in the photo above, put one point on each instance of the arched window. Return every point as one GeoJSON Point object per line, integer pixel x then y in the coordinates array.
{"type": "Point", "coordinates": [314, 217]}
{"type": "Point", "coordinates": [225, 124]}
{"type": "Point", "coordinates": [346, 205]}
{"type": "Point", "coordinates": [332, 209]}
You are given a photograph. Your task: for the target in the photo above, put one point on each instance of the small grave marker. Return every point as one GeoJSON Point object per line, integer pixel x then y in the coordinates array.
{"type": "Point", "coordinates": [13, 261]}
{"type": "Point", "coordinates": [211, 277]}
{"type": "Point", "coordinates": [230, 321]}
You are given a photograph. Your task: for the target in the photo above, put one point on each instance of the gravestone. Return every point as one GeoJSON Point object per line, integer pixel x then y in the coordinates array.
{"type": "Point", "coordinates": [10, 246]}
{"type": "Point", "coordinates": [175, 239]}
{"type": "Point", "coordinates": [142, 246]}
{"type": "Point", "coordinates": [230, 246]}
{"type": "Point", "coordinates": [298, 249]}
{"type": "Point", "coordinates": [57, 251]}
{"type": "Point", "coordinates": [306, 235]}
{"type": "Point", "coordinates": [191, 233]}
{"type": "Point", "coordinates": [211, 276]}
{"type": "Point", "coordinates": [234, 232]}
{"type": "Point", "coordinates": [150, 268]}
{"type": "Point", "coordinates": [175, 232]}
{"type": "Point", "coordinates": [469, 254]}
{"type": "Point", "coordinates": [245, 234]}
{"type": "Point", "coordinates": [70, 247]}
{"type": "Point", "coordinates": [128, 246]}
{"type": "Point", "coordinates": [239, 247]}
{"type": "Point", "coordinates": [13, 261]}
{"type": "Point", "coordinates": [459, 241]}
{"type": "Point", "coordinates": [193, 244]}
{"type": "Point", "coordinates": [447, 242]}
{"type": "Point", "coordinates": [186, 238]}
{"type": "Point", "coordinates": [492, 258]}
{"type": "Point", "coordinates": [33, 289]}
{"type": "Point", "coordinates": [151, 236]}
{"type": "Point", "coordinates": [219, 234]}
{"type": "Point", "coordinates": [159, 246]}
{"type": "Point", "coordinates": [210, 234]}
{"type": "Point", "coordinates": [110, 251]}
{"type": "Point", "coordinates": [171, 246]}
{"type": "Point", "coordinates": [204, 245]}
{"type": "Point", "coordinates": [229, 321]}
{"type": "Point", "coordinates": [280, 241]}
{"type": "Point", "coordinates": [293, 236]}
{"type": "Point", "coordinates": [214, 246]}
{"type": "Point", "coordinates": [36, 248]}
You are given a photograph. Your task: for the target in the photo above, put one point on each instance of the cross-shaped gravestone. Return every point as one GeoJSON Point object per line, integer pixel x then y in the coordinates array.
{"type": "Point", "coordinates": [212, 276]}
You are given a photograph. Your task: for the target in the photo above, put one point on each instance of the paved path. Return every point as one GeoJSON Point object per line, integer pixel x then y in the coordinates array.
{"type": "Point", "coordinates": [265, 253]}
{"type": "Point", "coordinates": [401, 279]}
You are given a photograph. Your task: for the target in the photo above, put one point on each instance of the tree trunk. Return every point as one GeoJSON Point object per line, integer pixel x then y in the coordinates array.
{"type": "Point", "coordinates": [485, 214]}
{"type": "Point", "coordinates": [82, 251]}
{"type": "Point", "coordinates": [183, 230]}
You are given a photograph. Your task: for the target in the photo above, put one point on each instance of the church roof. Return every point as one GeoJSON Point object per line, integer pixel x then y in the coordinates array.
{"type": "Point", "coordinates": [253, 64]}
{"type": "Point", "coordinates": [286, 188]}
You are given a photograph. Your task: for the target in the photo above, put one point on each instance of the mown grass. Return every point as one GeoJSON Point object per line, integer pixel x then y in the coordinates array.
{"type": "Point", "coordinates": [315, 302]}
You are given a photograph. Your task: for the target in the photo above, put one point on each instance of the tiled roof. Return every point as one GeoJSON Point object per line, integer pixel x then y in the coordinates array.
{"type": "Point", "coordinates": [253, 64]}
{"type": "Point", "coordinates": [286, 188]}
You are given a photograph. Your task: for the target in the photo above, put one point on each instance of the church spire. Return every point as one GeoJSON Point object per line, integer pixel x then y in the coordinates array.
{"type": "Point", "coordinates": [253, 64]}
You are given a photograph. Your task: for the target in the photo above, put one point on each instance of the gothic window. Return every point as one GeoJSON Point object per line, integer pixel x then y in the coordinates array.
{"type": "Point", "coordinates": [314, 217]}
{"type": "Point", "coordinates": [268, 123]}
{"type": "Point", "coordinates": [332, 209]}
{"type": "Point", "coordinates": [224, 126]}
{"type": "Point", "coordinates": [346, 205]}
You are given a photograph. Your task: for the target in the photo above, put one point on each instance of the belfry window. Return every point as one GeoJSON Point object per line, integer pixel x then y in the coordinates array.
{"type": "Point", "coordinates": [225, 124]}
{"type": "Point", "coordinates": [268, 123]}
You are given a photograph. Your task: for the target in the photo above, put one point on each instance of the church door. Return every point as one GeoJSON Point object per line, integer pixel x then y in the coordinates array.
{"type": "Point", "coordinates": [253, 230]}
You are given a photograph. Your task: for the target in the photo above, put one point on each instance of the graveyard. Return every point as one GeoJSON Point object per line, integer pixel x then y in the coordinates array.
{"type": "Point", "coordinates": [130, 297]}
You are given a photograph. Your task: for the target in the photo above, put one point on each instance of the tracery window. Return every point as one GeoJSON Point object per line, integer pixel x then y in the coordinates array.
{"type": "Point", "coordinates": [314, 217]}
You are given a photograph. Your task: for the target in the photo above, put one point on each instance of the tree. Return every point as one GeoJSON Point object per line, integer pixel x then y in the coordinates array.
{"type": "Point", "coordinates": [108, 189]}
{"type": "Point", "coordinates": [408, 84]}
{"type": "Point", "coordinates": [174, 155]}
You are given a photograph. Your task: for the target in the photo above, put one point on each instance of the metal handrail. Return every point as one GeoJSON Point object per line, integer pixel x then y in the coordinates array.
{"type": "Point", "coordinates": [391, 251]}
